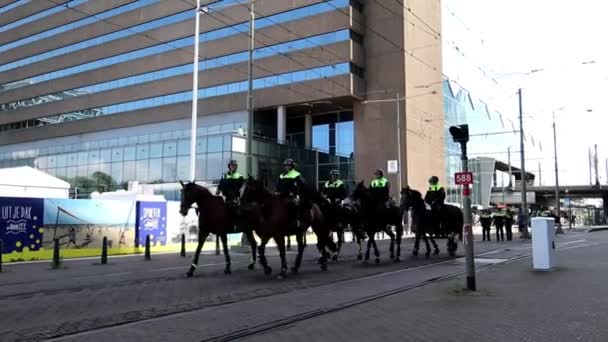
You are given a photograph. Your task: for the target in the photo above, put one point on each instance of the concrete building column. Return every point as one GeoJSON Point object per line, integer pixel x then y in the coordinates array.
{"type": "Point", "coordinates": [281, 125]}
{"type": "Point", "coordinates": [308, 130]}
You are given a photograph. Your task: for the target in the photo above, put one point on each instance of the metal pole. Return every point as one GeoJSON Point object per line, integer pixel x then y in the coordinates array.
{"type": "Point", "coordinates": [524, 204]}
{"type": "Point", "coordinates": [590, 176]}
{"type": "Point", "coordinates": [250, 89]}
{"type": "Point", "coordinates": [597, 175]}
{"type": "Point", "coordinates": [468, 221]}
{"type": "Point", "coordinates": [558, 211]}
{"type": "Point", "coordinates": [510, 172]}
{"type": "Point", "coordinates": [540, 175]}
{"type": "Point", "coordinates": [194, 93]}
{"type": "Point", "coordinates": [399, 143]}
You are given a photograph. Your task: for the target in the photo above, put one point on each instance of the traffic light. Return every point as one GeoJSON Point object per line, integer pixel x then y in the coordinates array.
{"type": "Point", "coordinates": [460, 133]}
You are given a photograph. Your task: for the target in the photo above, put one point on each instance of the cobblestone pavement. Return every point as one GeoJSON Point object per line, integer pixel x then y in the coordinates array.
{"type": "Point", "coordinates": [131, 298]}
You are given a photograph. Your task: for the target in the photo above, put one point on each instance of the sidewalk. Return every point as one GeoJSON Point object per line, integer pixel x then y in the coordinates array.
{"type": "Point", "coordinates": [514, 303]}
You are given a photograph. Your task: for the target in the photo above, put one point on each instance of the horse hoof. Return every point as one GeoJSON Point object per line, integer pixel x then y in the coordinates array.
{"type": "Point", "coordinates": [452, 253]}
{"type": "Point", "coordinates": [415, 253]}
{"type": "Point", "coordinates": [267, 270]}
{"type": "Point", "coordinates": [227, 271]}
{"type": "Point", "coordinates": [335, 257]}
{"type": "Point", "coordinates": [377, 261]}
{"type": "Point", "coordinates": [436, 251]}
{"type": "Point", "coordinates": [281, 276]}
{"type": "Point", "coordinates": [189, 274]}
{"type": "Point", "coordinates": [365, 262]}
{"type": "Point", "coordinates": [294, 270]}
{"type": "Point", "coordinates": [323, 267]}
{"type": "Point", "coordinates": [359, 257]}
{"type": "Point", "coordinates": [397, 259]}
{"type": "Point", "coordinates": [392, 256]}
{"type": "Point", "coordinates": [427, 255]}
{"type": "Point", "coordinates": [251, 266]}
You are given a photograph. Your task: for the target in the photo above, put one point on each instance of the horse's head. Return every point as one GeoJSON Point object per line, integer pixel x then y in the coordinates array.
{"type": "Point", "coordinates": [252, 191]}
{"type": "Point", "coordinates": [360, 192]}
{"type": "Point", "coordinates": [410, 198]}
{"type": "Point", "coordinates": [191, 192]}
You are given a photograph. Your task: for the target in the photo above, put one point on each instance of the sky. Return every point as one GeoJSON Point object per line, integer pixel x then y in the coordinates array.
{"type": "Point", "coordinates": [490, 46]}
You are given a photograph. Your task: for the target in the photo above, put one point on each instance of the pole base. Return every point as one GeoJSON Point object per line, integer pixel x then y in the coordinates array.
{"type": "Point", "coordinates": [471, 286]}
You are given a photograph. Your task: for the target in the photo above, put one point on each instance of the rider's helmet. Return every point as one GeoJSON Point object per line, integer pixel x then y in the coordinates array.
{"type": "Point", "coordinates": [233, 162]}
{"type": "Point", "coordinates": [289, 162]}
{"type": "Point", "coordinates": [434, 180]}
{"type": "Point", "coordinates": [334, 172]}
{"type": "Point", "coordinates": [379, 173]}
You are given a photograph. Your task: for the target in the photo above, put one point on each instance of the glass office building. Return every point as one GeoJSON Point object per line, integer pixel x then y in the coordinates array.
{"type": "Point", "coordinates": [102, 100]}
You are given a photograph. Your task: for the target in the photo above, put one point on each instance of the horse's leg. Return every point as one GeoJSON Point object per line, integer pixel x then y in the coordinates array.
{"type": "Point", "coordinates": [253, 244]}
{"type": "Point", "coordinates": [399, 229]}
{"type": "Point", "coordinates": [377, 252]}
{"type": "Point", "coordinates": [391, 235]}
{"type": "Point", "coordinates": [370, 241]}
{"type": "Point", "coordinates": [224, 238]}
{"type": "Point", "coordinates": [262, 254]}
{"type": "Point", "coordinates": [417, 237]}
{"type": "Point", "coordinates": [426, 243]}
{"type": "Point", "coordinates": [435, 247]}
{"type": "Point", "coordinates": [300, 242]}
{"type": "Point", "coordinates": [357, 235]}
{"type": "Point", "coordinates": [202, 236]}
{"type": "Point", "coordinates": [340, 231]}
{"type": "Point", "coordinates": [280, 240]}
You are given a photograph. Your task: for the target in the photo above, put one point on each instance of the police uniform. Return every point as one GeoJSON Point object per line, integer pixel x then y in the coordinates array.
{"type": "Point", "coordinates": [486, 224]}
{"type": "Point", "coordinates": [289, 185]}
{"type": "Point", "coordinates": [509, 224]}
{"type": "Point", "coordinates": [499, 222]}
{"type": "Point", "coordinates": [435, 196]}
{"type": "Point", "coordinates": [230, 185]}
{"type": "Point", "coordinates": [380, 189]}
{"type": "Point", "coordinates": [335, 191]}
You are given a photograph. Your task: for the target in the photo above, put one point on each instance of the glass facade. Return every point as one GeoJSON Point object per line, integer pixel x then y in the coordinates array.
{"type": "Point", "coordinates": [186, 69]}
{"type": "Point", "coordinates": [159, 154]}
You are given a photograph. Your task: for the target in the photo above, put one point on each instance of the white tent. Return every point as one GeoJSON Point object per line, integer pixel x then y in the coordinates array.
{"type": "Point", "coordinates": [29, 182]}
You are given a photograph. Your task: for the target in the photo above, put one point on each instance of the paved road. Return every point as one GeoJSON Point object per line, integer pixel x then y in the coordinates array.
{"type": "Point", "coordinates": [132, 298]}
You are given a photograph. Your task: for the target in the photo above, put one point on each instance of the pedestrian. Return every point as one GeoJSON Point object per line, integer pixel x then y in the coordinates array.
{"type": "Point", "coordinates": [509, 224]}
{"type": "Point", "coordinates": [486, 224]}
{"type": "Point", "coordinates": [499, 223]}
{"type": "Point", "coordinates": [72, 238]}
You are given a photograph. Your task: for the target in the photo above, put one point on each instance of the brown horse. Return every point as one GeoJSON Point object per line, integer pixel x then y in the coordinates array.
{"type": "Point", "coordinates": [267, 214]}
{"type": "Point", "coordinates": [214, 217]}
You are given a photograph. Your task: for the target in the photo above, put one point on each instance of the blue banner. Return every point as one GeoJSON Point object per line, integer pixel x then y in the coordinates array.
{"type": "Point", "coordinates": [151, 220]}
{"type": "Point", "coordinates": [21, 222]}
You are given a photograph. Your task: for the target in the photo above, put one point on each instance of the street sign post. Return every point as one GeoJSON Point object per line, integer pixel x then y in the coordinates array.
{"type": "Point", "coordinates": [460, 134]}
{"type": "Point", "coordinates": [392, 166]}
{"type": "Point", "coordinates": [463, 178]}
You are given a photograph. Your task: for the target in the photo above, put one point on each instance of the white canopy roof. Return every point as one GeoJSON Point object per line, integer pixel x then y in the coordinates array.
{"type": "Point", "coordinates": [26, 176]}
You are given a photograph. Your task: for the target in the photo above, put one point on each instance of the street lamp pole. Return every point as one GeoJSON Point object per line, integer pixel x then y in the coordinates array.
{"type": "Point", "coordinates": [195, 93]}
{"type": "Point", "coordinates": [524, 205]}
{"type": "Point", "coordinates": [557, 202]}
{"type": "Point", "coordinates": [250, 90]}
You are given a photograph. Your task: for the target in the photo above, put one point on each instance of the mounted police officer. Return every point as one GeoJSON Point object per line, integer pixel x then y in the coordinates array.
{"type": "Point", "coordinates": [435, 197]}
{"type": "Point", "coordinates": [289, 185]}
{"type": "Point", "coordinates": [380, 189]}
{"type": "Point", "coordinates": [230, 186]}
{"type": "Point", "coordinates": [334, 189]}
{"type": "Point", "coordinates": [231, 183]}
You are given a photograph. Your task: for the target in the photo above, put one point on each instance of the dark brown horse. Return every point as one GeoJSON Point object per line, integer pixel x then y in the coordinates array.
{"type": "Point", "coordinates": [377, 218]}
{"type": "Point", "coordinates": [214, 217]}
{"type": "Point", "coordinates": [267, 214]}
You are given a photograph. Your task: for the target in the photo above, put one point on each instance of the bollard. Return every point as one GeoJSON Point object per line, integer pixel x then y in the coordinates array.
{"type": "Point", "coordinates": [1, 251]}
{"type": "Point", "coordinates": [147, 254]}
{"type": "Point", "coordinates": [183, 251]}
{"type": "Point", "coordinates": [56, 254]}
{"type": "Point", "coordinates": [104, 251]}
{"type": "Point", "coordinates": [217, 245]}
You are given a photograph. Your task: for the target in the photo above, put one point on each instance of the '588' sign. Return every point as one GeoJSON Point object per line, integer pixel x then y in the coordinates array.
{"type": "Point", "coordinates": [463, 178]}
